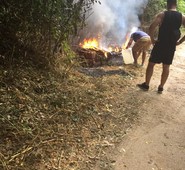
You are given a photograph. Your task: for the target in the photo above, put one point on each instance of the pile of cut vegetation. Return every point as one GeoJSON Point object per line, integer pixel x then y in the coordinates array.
{"type": "Point", "coordinates": [51, 122]}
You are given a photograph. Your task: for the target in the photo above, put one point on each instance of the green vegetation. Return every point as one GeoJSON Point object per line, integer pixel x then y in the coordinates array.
{"type": "Point", "coordinates": [155, 6]}
{"type": "Point", "coordinates": [50, 119]}
{"type": "Point", "coordinates": [152, 8]}
{"type": "Point", "coordinates": [39, 29]}
{"type": "Point", "coordinates": [181, 6]}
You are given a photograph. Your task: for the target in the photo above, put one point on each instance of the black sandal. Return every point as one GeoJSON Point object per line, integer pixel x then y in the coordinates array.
{"type": "Point", "coordinates": [160, 90]}
{"type": "Point", "coordinates": [143, 86]}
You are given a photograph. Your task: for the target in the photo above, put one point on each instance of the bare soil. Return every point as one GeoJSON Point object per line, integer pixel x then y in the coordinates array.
{"type": "Point", "coordinates": [156, 140]}
{"type": "Point", "coordinates": [95, 119]}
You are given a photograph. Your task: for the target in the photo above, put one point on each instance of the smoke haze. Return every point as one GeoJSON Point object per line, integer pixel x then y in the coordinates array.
{"type": "Point", "coordinates": [113, 19]}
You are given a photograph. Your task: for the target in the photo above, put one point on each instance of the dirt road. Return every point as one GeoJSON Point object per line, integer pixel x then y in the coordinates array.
{"type": "Point", "coordinates": [157, 142]}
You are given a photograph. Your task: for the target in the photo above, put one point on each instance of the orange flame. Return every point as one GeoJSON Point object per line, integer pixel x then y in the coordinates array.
{"type": "Point", "coordinates": [110, 49]}
{"type": "Point", "coordinates": [90, 43]}
{"type": "Point", "coordinates": [115, 48]}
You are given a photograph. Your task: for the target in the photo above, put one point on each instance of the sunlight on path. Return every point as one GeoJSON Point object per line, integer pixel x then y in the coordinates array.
{"type": "Point", "coordinates": [157, 143]}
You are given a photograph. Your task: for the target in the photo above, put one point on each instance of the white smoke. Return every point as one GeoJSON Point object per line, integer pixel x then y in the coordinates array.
{"type": "Point", "coordinates": [113, 19]}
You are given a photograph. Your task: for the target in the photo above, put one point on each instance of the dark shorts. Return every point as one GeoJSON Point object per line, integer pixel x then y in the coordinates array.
{"type": "Point", "coordinates": [162, 53]}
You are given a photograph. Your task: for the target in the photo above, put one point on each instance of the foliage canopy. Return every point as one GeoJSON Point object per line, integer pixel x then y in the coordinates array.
{"type": "Point", "coordinates": [39, 27]}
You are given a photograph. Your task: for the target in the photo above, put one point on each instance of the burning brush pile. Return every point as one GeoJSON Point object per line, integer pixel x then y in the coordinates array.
{"type": "Point", "coordinates": [92, 55]}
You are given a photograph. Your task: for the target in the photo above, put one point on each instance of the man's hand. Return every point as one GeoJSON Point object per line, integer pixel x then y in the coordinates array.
{"type": "Point", "coordinates": [181, 40]}
{"type": "Point", "coordinates": [153, 41]}
{"type": "Point", "coordinates": [178, 43]}
{"type": "Point", "coordinates": [129, 43]}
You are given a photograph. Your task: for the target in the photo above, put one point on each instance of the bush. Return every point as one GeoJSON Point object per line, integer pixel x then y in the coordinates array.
{"type": "Point", "coordinates": [37, 29]}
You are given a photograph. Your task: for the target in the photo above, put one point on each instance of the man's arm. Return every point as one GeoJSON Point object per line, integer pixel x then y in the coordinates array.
{"type": "Point", "coordinates": [129, 43]}
{"type": "Point", "coordinates": [183, 38]}
{"type": "Point", "coordinates": [156, 22]}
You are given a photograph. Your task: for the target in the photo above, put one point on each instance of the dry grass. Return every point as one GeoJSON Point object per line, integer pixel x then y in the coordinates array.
{"type": "Point", "coordinates": [48, 122]}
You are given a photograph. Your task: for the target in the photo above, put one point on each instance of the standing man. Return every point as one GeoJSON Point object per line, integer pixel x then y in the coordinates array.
{"type": "Point", "coordinates": [142, 44]}
{"type": "Point", "coordinates": [169, 23]}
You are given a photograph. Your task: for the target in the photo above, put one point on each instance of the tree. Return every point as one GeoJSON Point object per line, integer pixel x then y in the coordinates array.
{"type": "Point", "coordinates": [181, 6]}
{"type": "Point", "coordinates": [155, 6]}
{"type": "Point", "coordinates": [152, 8]}
{"type": "Point", "coordinates": [39, 27]}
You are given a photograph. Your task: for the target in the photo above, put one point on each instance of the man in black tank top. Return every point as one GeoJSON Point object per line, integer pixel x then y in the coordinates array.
{"type": "Point", "coordinates": [169, 23]}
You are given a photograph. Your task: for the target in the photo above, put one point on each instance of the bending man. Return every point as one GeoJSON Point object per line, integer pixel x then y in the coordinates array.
{"type": "Point", "coordinates": [142, 44]}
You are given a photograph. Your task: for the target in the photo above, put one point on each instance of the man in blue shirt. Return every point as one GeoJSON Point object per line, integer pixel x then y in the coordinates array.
{"type": "Point", "coordinates": [142, 44]}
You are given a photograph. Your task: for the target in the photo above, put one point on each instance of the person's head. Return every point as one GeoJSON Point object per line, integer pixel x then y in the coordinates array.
{"type": "Point", "coordinates": [171, 4]}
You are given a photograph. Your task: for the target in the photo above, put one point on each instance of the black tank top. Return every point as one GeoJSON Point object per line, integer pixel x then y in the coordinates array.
{"type": "Point", "coordinates": [169, 31]}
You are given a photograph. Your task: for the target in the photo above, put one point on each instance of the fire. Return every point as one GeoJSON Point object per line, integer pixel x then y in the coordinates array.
{"type": "Point", "coordinates": [90, 43]}
{"type": "Point", "coordinates": [114, 48]}
{"type": "Point", "coordinates": [110, 49]}
{"type": "Point", "coordinates": [117, 49]}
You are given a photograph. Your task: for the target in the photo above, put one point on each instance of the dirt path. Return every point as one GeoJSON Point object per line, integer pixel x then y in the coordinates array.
{"type": "Point", "coordinates": [157, 141]}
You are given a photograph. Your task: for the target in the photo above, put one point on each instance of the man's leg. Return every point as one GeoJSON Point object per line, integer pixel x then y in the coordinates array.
{"type": "Point", "coordinates": [135, 56]}
{"type": "Point", "coordinates": [164, 75]}
{"type": "Point", "coordinates": [143, 57]}
{"type": "Point", "coordinates": [146, 47]}
{"type": "Point", "coordinates": [136, 51]}
{"type": "Point", "coordinates": [149, 73]}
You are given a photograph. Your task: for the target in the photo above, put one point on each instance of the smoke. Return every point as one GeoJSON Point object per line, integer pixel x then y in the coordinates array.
{"type": "Point", "coordinates": [113, 19]}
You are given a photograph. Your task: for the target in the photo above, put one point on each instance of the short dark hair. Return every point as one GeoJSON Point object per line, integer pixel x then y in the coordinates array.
{"type": "Point", "coordinates": [172, 2]}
